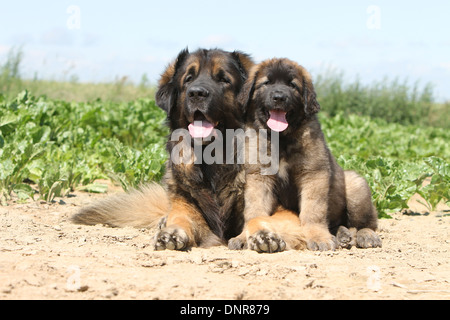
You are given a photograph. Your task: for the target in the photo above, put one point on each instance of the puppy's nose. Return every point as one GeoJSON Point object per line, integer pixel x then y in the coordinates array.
{"type": "Point", "coordinates": [198, 92]}
{"type": "Point", "coordinates": [279, 97]}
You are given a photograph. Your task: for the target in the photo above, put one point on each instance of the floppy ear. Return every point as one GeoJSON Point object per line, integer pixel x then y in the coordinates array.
{"type": "Point", "coordinates": [246, 93]}
{"type": "Point", "coordinates": [166, 95]}
{"type": "Point", "coordinates": [245, 63]}
{"type": "Point", "coordinates": [309, 97]}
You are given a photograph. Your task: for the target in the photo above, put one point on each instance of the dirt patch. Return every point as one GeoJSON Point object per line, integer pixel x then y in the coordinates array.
{"type": "Point", "coordinates": [44, 256]}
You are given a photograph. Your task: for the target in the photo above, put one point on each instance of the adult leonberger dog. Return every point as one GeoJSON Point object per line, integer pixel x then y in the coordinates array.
{"type": "Point", "coordinates": [201, 203]}
{"type": "Point", "coordinates": [279, 96]}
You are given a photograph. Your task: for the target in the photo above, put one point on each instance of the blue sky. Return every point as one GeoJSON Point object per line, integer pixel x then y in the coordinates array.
{"type": "Point", "coordinates": [102, 40]}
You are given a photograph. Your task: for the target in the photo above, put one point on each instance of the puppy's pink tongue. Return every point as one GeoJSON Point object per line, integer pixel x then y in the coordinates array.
{"type": "Point", "coordinates": [200, 129]}
{"type": "Point", "coordinates": [277, 121]}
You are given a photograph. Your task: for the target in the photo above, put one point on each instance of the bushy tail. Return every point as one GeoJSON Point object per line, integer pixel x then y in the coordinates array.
{"type": "Point", "coordinates": [141, 208]}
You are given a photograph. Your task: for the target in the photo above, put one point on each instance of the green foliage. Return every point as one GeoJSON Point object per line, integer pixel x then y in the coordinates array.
{"type": "Point", "coordinates": [395, 159]}
{"type": "Point", "coordinates": [61, 145]}
{"type": "Point", "coordinates": [135, 167]}
{"type": "Point", "coordinates": [439, 186]}
{"type": "Point", "coordinates": [10, 70]}
{"type": "Point", "coordinates": [392, 100]}
{"type": "Point", "coordinates": [67, 88]}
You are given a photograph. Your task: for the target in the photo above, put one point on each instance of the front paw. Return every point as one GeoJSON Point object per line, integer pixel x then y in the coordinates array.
{"type": "Point", "coordinates": [171, 238]}
{"type": "Point", "coordinates": [322, 244]}
{"type": "Point", "coordinates": [346, 238]}
{"type": "Point", "coordinates": [367, 238]}
{"type": "Point", "coordinates": [319, 238]}
{"type": "Point", "coordinates": [237, 243]}
{"type": "Point", "coordinates": [266, 242]}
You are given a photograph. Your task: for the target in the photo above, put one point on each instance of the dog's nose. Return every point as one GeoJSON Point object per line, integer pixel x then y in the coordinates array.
{"type": "Point", "coordinates": [198, 92]}
{"type": "Point", "coordinates": [279, 97]}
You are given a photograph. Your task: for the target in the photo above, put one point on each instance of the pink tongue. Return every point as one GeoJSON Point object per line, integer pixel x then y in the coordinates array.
{"type": "Point", "coordinates": [277, 121]}
{"type": "Point", "coordinates": [200, 129]}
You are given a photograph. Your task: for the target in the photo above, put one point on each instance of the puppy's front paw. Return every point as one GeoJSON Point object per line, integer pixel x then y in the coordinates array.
{"type": "Point", "coordinates": [367, 238]}
{"type": "Point", "coordinates": [237, 243]}
{"type": "Point", "coordinates": [171, 238]}
{"type": "Point", "coordinates": [322, 244]}
{"type": "Point", "coordinates": [266, 242]}
{"type": "Point", "coordinates": [346, 238]}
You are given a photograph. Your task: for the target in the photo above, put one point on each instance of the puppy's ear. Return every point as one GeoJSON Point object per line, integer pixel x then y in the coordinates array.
{"type": "Point", "coordinates": [166, 94]}
{"type": "Point", "coordinates": [245, 63]}
{"type": "Point", "coordinates": [310, 102]}
{"type": "Point", "coordinates": [246, 93]}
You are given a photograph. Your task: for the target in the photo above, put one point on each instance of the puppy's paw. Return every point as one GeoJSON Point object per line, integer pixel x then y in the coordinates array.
{"type": "Point", "coordinates": [237, 243]}
{"type": "Point", "coordinates": [171, 238]}
{"type": "Point", "coordinates": [322, 244]}
{"type": "Point", "coordinates": [346, 238]}
{"type": "Point", "coordinates": [266, 242]}
{"type": "Point", "coordinates": [367, 238]}
{"type": "Point", "coordinates": [319, 238]}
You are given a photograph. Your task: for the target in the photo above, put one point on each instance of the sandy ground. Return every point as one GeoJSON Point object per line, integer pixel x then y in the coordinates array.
{"type": "Point", "coordinates": [44, 256]}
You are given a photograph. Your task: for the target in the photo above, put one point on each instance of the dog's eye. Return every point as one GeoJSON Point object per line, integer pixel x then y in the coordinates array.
{"type": "Point", "coordinates": [222, 77]}
{"type": "Point", "coordinates": [224, 80]}
{"type": "Point", "coordinates": [265, 83]}
{"type": "Point", "coordinates": [188, 78]}
{"type": "Point", "coordinates": [293, 85]}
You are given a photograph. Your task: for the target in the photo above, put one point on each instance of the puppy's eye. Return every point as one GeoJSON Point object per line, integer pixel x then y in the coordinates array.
{"type": "Point", "coordinates": [293, 85]}
{"type": "Point", "coordinates": [224, 80]}
{"type": "Point", "coordinates": [265, 83]}
{"type": "Point", "coordinates": [188, 78]}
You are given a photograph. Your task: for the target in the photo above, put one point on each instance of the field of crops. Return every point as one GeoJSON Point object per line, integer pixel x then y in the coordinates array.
{"type": "Point", "coordinates": [51, 147]}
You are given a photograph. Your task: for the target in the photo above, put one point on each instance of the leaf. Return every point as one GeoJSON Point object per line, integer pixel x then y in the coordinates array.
{"type": "Point", "coordinates": [23, 191]}
{"type": "Point", "coordinates": [22, 97]}
{"type": "Point", "coordinates": [8, 119]}
{"type": "Point", "coordinates": [6, 168]}
{"type": "Point", "coordinates": [94, 188]}
{"type": "Point", "coordinates": [54, 191]}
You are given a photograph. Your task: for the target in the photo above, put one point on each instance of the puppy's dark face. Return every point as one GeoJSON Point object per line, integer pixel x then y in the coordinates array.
{"type": "Point", "coordinates": [199, 90]}
{"type": "Point", "coordinates": [278, 95]}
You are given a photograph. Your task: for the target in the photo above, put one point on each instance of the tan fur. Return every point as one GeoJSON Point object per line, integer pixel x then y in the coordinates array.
{"type": "Point", "coordinates": [258, 193]}
{"type": "Point", "coordinates": [284, 223]}
{"type": "Point", "coordinates": [142, 208]}
{"type": "Point", "coordinates": [326, 196]}
{"type": "Point", "coordinates": [278, 232]}
{"type": "Point", "coordinates": [167, 75]}
{"type": "Point", "coordinates": [194, 64]}
{"type": "Point", "coordinates": [361, 211]}
{"type": "Point", "coordinates": [187, 226]}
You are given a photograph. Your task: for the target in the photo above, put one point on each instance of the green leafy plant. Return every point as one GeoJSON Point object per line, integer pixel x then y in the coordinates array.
{"type": "Point", "coordinates": [438, 188]}
{"type": "Point", "coordinates": [50, 147]}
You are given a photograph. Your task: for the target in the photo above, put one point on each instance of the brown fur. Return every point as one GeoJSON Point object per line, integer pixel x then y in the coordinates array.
{"type": "Point", "coordinates": [309, 182]}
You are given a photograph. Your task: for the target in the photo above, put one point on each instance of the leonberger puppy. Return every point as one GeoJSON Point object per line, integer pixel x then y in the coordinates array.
{"type": "Point", "coordinates": [201, 204]}
{"type": "Point", "coordinates": [279, 97]}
